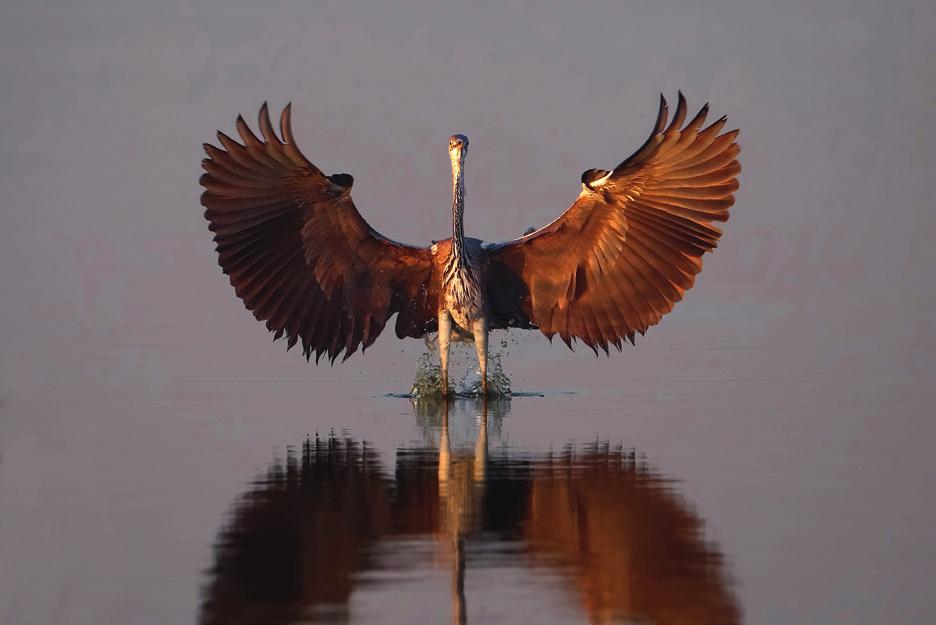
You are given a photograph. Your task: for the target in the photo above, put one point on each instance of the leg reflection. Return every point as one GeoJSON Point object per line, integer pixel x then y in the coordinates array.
{"type": "Point", "coordinates": [461, 493]}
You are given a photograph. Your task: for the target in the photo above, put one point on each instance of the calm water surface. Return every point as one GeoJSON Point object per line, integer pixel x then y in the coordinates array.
{"type": "Point", "coordinates": [157, 483]}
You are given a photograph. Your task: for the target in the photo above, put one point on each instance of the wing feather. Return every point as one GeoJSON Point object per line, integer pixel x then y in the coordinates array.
{"type": "Point", "coordinates": [631, 245]}
{"type": "Point", "coordinates": [298, 252]}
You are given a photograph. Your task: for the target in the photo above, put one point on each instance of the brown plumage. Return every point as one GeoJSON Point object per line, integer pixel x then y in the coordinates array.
{"type": "Point", "coordinates": [303, 260]}
{"type": "Point", "coordinates": [300, 255]}
{"type": "Point", "coordinates": [629, 247]}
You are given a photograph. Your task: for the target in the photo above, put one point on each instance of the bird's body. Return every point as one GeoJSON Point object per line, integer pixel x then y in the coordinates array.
{"type": "Point", "coordinates": [462, 308]}
{"type": "Point", "coordinates": [304, 260]}
{"type": "Point", "coordinates": [462, 286]}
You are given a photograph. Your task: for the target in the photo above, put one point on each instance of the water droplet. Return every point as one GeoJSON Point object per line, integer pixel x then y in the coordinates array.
{"type": "Point", "coordinates": [428, 380]}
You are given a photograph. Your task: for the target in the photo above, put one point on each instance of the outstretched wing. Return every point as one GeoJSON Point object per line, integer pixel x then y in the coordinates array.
{"type": "Point", "coordinates": [300, 255]}
{"type": "Point", "coordinates": [631, 244]}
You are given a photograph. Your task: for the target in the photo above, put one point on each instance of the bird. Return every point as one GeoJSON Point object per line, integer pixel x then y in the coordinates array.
{"type": "Point", "coordinates": [303, 259]}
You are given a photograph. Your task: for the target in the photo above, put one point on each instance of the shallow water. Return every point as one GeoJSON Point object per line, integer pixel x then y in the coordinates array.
{"type": "Point", "coordinates": [158, 483]}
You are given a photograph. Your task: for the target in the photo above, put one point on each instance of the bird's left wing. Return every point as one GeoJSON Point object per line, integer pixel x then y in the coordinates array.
{"type": "Point", "coordinates": [631, 244]}
{"type": "Point", "coordinates": [298, 252]}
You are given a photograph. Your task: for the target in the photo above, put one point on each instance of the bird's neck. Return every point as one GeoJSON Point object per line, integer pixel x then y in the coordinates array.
{"type": "Point", "coordinates": [459, 251]}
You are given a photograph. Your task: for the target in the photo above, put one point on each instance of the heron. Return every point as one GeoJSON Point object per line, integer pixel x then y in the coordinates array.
{"type": "Point", "coordinates": [302, 258]}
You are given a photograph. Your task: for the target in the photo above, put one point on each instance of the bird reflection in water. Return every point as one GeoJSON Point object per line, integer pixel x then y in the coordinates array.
{"type": "Point", "coordinates": [324, 521]}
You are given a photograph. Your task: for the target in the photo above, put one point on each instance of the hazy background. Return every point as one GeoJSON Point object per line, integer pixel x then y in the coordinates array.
{"type": "Point", "coordinates": [118, 332]}
{"type": "Point", "coordinates": [105, 106]}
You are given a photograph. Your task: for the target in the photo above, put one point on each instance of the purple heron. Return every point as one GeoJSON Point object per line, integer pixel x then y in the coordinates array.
{"type": "Point", "coordinates": [304, 260]}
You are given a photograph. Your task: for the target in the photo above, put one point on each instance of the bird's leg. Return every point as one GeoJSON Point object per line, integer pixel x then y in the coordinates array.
{"type": "Point", "coordinates": [445, 335]}
{"type": "Point", "coordinates": [480, 329]}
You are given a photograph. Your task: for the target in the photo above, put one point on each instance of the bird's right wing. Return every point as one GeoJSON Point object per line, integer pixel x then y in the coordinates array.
{"type": "Point", "coordinates": [300, 255]}
{"type": "Point", "coordinates": [631, 244]}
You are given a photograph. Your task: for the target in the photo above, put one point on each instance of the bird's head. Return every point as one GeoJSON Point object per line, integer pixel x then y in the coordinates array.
{"type": "Point", "coordinates": [458, 148]}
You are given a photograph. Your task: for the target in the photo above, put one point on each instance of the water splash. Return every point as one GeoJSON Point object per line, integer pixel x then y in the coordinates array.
{"type": "Point", "coordinates": [469, 385]}
{"type": "Point", "coordinates": [428, 381]}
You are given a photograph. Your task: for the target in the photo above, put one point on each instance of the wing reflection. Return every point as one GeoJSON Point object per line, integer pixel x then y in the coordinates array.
{"type": "Point", "coordinates": [294, 540]}
{"type": "Point", "coordinates": [629, 542]}
{"type": "Point", "coordinates": [321, 520]}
